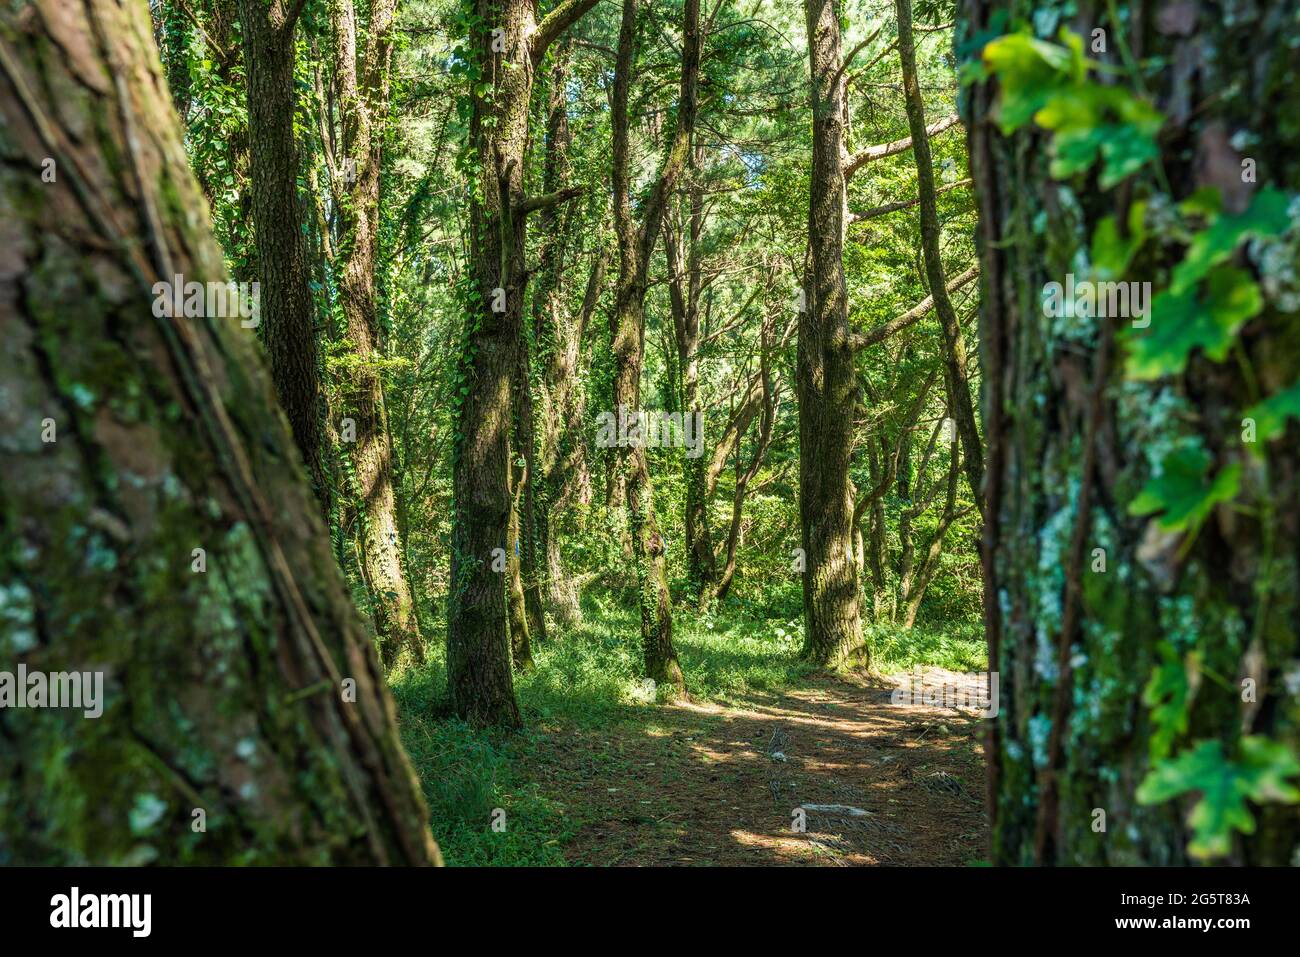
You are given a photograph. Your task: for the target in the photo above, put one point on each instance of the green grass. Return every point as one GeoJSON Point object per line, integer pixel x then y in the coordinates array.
{"type": "Point", "coordinates": [956, 647]}
{"type": "Point", "coordinates": [589, 678]}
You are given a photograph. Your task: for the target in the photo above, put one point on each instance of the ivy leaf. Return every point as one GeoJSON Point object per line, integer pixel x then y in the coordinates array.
{"type": "Point", "coordinates": [1266, 216]}
{"type": "Point", "coordinates": [1225, 786]}
{"type": "Point", "coordinates": [1128, 148]}
{"type": "Point", "coordinates": [1111, 253]}
{"type": "Point", "coordinates": [1124, 148]}
{"type": "Point", "coordinates": [1181, 490]}
{"type": "Point", "coordinates": [1182, 321]}
{"type": "Point", "coordinates": [1206, 201]}
{"type": "Point", "coordinates": [1076, 149]}
{"type": "Point", "coordinates": [1271, 415]}
{"type": "Point", "coordinates": [1030, 71]}
{"type": "Point", "coordinates": [1168, 695]}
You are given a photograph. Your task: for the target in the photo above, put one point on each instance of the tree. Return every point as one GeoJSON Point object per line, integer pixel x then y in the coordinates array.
{"type": "Point", "coordinates": [1135, 522]}
{"type": "Point", "coordinates": [559, 466]}
{"type": "Point", "coordinates": [685, 283]}
{"type": "Point", "coordinates": [508, 46]}
{"type": "Point", "coordinates": [361, 77]}
{"type": "Point", "coordinates": [827, 380]}
{"type": "Point", "coordinates": [151, 531]}
{"type": "Point", "coordinates": [636, 243]}
{"type": "Point", "coordinates": [954, 348]}
{"type": "Point", "coordinates": [283, 272]}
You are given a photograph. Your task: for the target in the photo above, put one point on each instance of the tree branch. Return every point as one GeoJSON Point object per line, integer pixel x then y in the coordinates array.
{"type": "Point", "coordinates": [291, 17]}
{"type": "Point", "coordinates": [882, 332]}
{"type": "Point", "coordinates": [835, 78]}
{"type": "Point", "coordinates": [223, 55]}
{"type": "Point", "coordinates": [881, 150]}
{"type": "Point", "coordinates": [534, 203]}
{"type": "Point", "coordinates": [902, 204]}
{"type": "Point", "coordinates": [556, 22]}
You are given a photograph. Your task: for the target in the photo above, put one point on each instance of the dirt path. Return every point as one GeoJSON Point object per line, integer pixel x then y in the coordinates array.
{"type": "Point", "coordinates": [703, 784]}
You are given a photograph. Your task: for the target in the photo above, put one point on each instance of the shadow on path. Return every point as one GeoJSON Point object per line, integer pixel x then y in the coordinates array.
{"type": "Point", "coordinates": [711, 784]}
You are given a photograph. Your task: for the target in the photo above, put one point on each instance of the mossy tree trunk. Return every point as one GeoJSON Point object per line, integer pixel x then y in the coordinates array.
{"type": "Point", "coordinates": [827, 380]}
{"type": "Point", "coordinates": [288, 311]}
{"type": "Point", "coordinates": [509, 45]}
{"type": "Point", "coordinates": [245, 718]}
{"type": "Point", "coordinates": [361, 77]}
{"type": "Point", "coordinates": [1080, 595]}
{"type": "Point", "coordinates": [563, 478]}
{"type": "Point", "coordinates": [636, 243]}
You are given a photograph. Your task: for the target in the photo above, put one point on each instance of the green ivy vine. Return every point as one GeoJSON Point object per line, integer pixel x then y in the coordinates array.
{"type": "Point", "coordinates": [1108, 129]}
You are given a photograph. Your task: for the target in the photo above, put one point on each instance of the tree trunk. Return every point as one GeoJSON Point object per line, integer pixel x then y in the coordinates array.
{"type": "Point", "coordinates": [171, 31]}
{"type": "Point", "coordinates": [521, 649]}
{"type": "Point", "coordinates": [925, 572]}
{"type": "Point", "coordinates": [526, 499]}
{"type": "Point", "coordinates": [827, 381]}
{"type": "Point", "coordinates": [906, 542]}
{"type": "Point", "coordinates": [1083, 599]}
{"type": "Point", "coordinates": [287, 308]}
{"type": "Point", "coordinates": [636, 244]}
{"type": "Point", "coordinates": [538, 426]}
{"type": "Point", "coordinates": [362, 81]}
{"type": "Point", "coordinates": [565, 462]}
{"type": "Point", "coordinates": [743, 478]}
{"type": "Point", "coordinates": [244, 716]}
{"type": "Point", "coordinates": [954, 348]}
{"type": "Point", "coordinates": [684, 284]}
{"type": "Point", "coordinates": [236, 232]}
{"type": "Point", "coordinates": [509, 45]}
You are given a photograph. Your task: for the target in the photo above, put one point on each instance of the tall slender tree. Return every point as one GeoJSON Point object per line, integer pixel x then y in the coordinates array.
{"type": "Point", "coordinates": [636, 243]}
{"type": "Point", "coordinates": [954, 346]}
{"type": "Point", "coordinates": [685, 283]}
{"type": "Point", "coordinates": [362, 63]}
{"type": "Point", "coordinates": [508, 45]}
{"type": "Point", "coordinates": [826, 378]}
{"type": "Point", "coordinates": [283, 273]}
{"type": "Point", "coordinates": [555, 457]}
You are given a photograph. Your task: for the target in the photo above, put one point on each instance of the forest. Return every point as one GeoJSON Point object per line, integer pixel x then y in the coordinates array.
{"type": "Point", "coordinates": [650, 432]}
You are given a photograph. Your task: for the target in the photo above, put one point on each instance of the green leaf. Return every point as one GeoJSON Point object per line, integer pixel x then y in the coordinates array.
{"type": "Point", "coordinates": [1111, 253]}
{"type": "Point", "coordinates": [1168, 695]}
{"type": "Point", "coordinates": [1029, 71]}
{"type": "Point", "coordinates": [1183, 321]}
{"type": "Point", "coordinates": [1076, 149]}
{"type": "Point", "coordinates": [1206, 201]}
{"type": "Point", "coordinates": [1271, 415]}
{"type": "Point", "coordinates": [1127, 150]}
{"type": "Point", "coordinates": [1225, 786]}
{"type": "Point", "coordinates": [1182, 491]}
{"type": "Point", "coordinates": [1266, 216]}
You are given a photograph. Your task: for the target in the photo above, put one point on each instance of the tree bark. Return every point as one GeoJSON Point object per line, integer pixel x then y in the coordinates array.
{"type": "Point", "coordinates": [288, 311]}
{"type": "Point", "coordinates": [636, 245]}
{"type": "Point", "coordinates": [827, 380]}
{"type": "Point", "coordinates": [361, 77]}
{"type": "Point", "coordinates": [478, 636]}
{"type": "Point", "coordinates": [1069, 446]}
{"type": "Point", "coordinates": [245, 690]}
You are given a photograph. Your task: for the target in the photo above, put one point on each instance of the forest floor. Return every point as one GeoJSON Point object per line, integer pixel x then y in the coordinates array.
{"type": "Point", "coordinates": [605, 775]}
{"type": "Point", "coordinates": [706, 783]}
